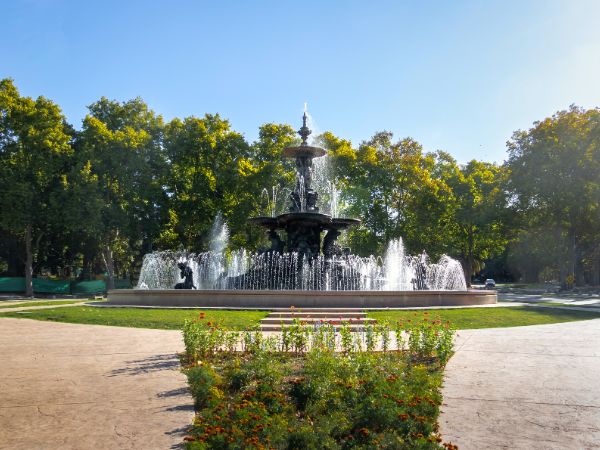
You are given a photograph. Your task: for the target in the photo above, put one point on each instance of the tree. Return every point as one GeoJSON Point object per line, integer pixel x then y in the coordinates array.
{"type": "Point", "coordinates": [34, 151]}
{"type": "Point", "coordinates": [555, 181]}
{"type": "Point", "coordinates": [120, 169]}
{"type": "Point", "coordinates": [476, 230]}
{"type": "Point", "coordinates": [390, 186]}
{"type": "Point", "coordinates": [214, 170]}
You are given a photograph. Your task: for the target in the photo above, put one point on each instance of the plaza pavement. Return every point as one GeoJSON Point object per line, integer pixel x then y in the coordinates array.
{"type": "Point", "coordinates": [535, 387]}
{"type": "Point", "coordinates": [68, 386]}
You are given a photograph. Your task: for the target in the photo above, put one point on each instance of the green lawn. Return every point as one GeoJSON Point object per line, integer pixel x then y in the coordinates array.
{"type": "Point", "coordinates": [547, 303]}
{"type": "Point", "coordinates": [172, 319]}
{"type": "Point", "coordinates": [41, 303]}
{"type": "Point", "coordinates": [469, 318]}
{"type": "Point", "coordinates": [167, 319]}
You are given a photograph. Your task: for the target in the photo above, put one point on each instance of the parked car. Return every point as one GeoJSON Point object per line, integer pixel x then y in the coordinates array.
{"type": "Point", "coordinates": [490, 283]}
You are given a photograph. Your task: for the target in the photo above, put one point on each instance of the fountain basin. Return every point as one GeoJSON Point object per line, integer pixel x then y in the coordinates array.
{"type": "Point", "coordinates": [325, 221]}
{"type": "Point", "coordinates": [303, 151]}
{"type": "Point", "coordinates": [267, 299]}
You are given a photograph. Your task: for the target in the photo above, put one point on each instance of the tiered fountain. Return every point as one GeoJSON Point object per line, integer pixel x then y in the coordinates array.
{"type": "Point", "coordinates": [302, 267]}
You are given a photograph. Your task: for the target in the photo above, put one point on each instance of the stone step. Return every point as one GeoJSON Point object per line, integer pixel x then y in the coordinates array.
{"type": "Point", "coordinates": [314, 320]}
{"type": "Point", "coordinates": [318, 314]}
{"type": "Point", "coordinates": [273, 327]}
{"type": "Point", "coordinates": [322, 310]}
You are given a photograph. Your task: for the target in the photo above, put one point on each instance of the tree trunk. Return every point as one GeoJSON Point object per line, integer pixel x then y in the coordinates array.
{"type": "Point", "coordinates": [86, 270]}
{"type": "Point", "coordinates": [467, 265]}
{"type": "Point", "coordinates": [109, 262]}
{"type": "Point", "coordinates": [28, 263]}
{"type": "Point", "coordinates": [563, 273]}
{"type": "Point", "coordinates": [578, 269]}
{"type": "Point", "coordinates": [596, 272]}
{"type": "Point", "coordinates": [14, 258]}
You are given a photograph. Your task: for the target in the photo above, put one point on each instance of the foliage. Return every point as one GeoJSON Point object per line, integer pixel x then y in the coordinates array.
{"type": "Point", "coordinates": [479, 205]}
{"type": "Point", "coordinates": [119, 167]}
{"type": "Point", "coordinates": [308, 396]}
{"type": "Point", "coordinates": [34, 148]}
{"type": "Point", "coordinates": [555, 181]}
{"type": "Point", "coordinates": [392, 188]}
{"type": "Point", "coordinates": [428, 199]}
{"type": "Point", "coordinates": [214, 170]}
{"type": "Point", "coordinates": [89, 202]}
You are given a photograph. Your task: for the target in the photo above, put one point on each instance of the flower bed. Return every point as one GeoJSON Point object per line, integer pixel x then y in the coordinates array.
{"type": "Point", "coordinates": [315, 388]}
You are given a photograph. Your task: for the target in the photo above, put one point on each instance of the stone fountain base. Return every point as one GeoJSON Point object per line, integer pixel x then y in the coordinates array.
{"type": "Point", "coordinates": [299, 299]}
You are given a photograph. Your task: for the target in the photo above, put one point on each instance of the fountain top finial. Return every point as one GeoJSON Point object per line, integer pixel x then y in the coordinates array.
{"type": "Point", "coordinates": [304, 132]}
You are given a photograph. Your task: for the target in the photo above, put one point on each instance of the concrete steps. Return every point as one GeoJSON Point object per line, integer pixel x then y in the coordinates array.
{"type": "Point", "coordinates": [318, 315]}
{"type": "Point", "coordinates": [357, 319]}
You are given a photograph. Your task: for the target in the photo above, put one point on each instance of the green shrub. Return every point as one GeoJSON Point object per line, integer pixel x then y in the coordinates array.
{"type": "Point", "coordinates": [294, 391]}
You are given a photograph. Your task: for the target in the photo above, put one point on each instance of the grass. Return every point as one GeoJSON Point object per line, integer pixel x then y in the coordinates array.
{"type": "Point", "coordinates": [548, 303]}
{"type": "Point", "coordinates": [41, 303]}
{"type": "Point", "coordinates": [471, 318]}
{"type": "Point", "coordinates": [172, 319]}
{"type": "Point", "coordinates": [165, 319]}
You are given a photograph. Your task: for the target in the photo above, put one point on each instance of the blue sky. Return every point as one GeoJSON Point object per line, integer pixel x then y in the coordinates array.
{"type": "Point", "coordinates": [456, 75]}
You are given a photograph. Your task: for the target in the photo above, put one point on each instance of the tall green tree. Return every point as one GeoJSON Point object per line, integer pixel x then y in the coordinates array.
{"type": "Point", "coordinates": [390, 186]}
{"type": "Point", "coordinates": [120, 173]}
{"type": "Point", "coordinates": [555, 180]}
{"type": "Point", "coordinates": [34, 152]}
{"type": "Point", "coordinates": [476, 229]}
{"type": "Point", "coordinates": [214, 170]}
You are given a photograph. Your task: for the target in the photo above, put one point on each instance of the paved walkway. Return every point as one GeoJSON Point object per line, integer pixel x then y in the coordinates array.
{"type": "Point", "coordinates": [67, 386]}
{"type": "Point", "coordinates": [535, 387]}
{"type": "Point", "coordinates": [586, 301]}
{"type": "Point", "coordinates": [18, 308]}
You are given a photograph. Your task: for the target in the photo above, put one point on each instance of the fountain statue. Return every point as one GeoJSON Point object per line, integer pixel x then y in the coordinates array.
{"type": "Point", "coordinates": [304, 223]}
{"type": "Point", "coordinates": [188, 276]}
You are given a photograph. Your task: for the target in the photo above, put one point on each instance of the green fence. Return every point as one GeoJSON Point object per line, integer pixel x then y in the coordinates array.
{"type": "Point", "coordinates": [42, 286]}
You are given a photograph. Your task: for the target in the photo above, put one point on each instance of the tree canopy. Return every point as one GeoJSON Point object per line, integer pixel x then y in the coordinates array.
{"type": "Point", "coordinates": [79, 202]}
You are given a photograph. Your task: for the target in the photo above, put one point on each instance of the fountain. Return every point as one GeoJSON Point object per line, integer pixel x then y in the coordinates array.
{"type": "Point", "coordinates": [304, 265]}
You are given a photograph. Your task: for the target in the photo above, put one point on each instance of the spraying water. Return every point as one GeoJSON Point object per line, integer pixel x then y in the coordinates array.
{"type": "Point", "coordinates": [289, 271]}
{"type": "Point", "coordinates": [219, 235]}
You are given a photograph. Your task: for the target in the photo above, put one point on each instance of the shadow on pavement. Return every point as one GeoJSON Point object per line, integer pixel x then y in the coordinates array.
{"type": "Point", "coordinates": [147, 365]}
